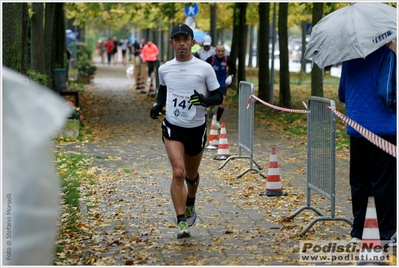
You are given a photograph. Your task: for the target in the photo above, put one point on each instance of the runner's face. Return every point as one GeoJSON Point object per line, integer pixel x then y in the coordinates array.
{"type": "Point", "coordinates": [220, 51]}
{"type": "Point", "coordinates": [182, 46]}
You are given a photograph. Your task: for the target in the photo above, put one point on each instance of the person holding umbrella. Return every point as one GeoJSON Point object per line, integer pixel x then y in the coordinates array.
{"type": "Point", "coordinates": [368, 88]}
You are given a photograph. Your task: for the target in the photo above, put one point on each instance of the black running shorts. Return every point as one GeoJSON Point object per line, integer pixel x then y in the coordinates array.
{"type": "Point", "coordinates": [193, 139]}
{"type": "Point", "coordinates": [223, 90]}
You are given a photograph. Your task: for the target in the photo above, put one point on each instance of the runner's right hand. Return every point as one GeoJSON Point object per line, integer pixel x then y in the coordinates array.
{"type": "Point", "coordinates": [156, 111]}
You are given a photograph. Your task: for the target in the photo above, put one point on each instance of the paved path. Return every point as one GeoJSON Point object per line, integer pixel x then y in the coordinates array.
{"type": "Point", "coordinates": [127, 213]}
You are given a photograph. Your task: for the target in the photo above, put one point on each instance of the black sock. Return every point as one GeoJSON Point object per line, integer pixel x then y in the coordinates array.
{"type": "Point", "coordinates": [219, 113]}
{"type": "Point", "coordinates": [190, 201]}
{"type": "Point", "coordinates": [181, 218]}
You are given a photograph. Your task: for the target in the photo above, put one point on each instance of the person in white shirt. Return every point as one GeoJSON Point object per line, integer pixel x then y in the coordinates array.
{"type": "Point", "coordinates": [123, 44]}
{"type": "Point", "coordinates": [206, 50]}
{"type": "Point", "coordinates": [184, 82]}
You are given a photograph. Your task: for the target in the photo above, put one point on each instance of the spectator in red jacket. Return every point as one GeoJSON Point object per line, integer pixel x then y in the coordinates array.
{"type": "Point", "coordinates": [149, 54]}
{"type": "Point", "coordinates": [109, 47]}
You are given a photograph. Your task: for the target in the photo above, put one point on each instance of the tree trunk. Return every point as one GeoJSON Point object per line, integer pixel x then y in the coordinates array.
{"type": "Point", "coordinates": [262, 53]}
{"type": "Point", "coordinates": [37, 38]}
{"type": "Point", "coordinates": [59, 36]}
{"type": "Point", "coordinates": [303, 49]}
{"type": "Point", "coordinates": [25, 38]}
{"type": "Point", "coordinates": [221, 34]}
{"type": "Point", "coordinates": [242, 44]}
{"type": "Point", "coordinates": [172, 13]}
{"type": "Point", "coordinates": [251, 44]}
{"type": "Point", "coordinates": [213, 26]}
{"type": "Point", "coordinates": [49, 43]}
{"type": "Point", "coordinates": [15, 36]}
{"type": "Point", "coordinates": [317, 73]}
{"type": "Point", "coordinates": [234, 41]}
{"type": "Point", "coordinates": [285, 97]}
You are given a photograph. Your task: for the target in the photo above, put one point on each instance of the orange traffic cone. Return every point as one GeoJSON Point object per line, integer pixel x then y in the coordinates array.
{"type": "Point", "coordinates": [143, 87]}
{"type": "Point", "coordinates": [140, 81]}
{"type": "Point", "coordinates": [151, 91]}
{"type": "Point", "coordinates": [223, 147]}
{"type": "Point", "coordinates": [273, 183]}
{"type": "Point", "coordinates": [213, 140]}
{"type": "Point", "coordinates": [371, 239]}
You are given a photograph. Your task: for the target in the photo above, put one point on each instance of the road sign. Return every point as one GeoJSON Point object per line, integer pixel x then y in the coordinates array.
{"type": "Point", "coordinates": [308, 28]}
{"type": "Point", "coordinates": [191, 11]}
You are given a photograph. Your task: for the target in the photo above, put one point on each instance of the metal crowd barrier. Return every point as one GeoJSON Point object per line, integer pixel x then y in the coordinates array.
{"type": "Point", "coordinates": [245, 128]}
{"type": "Point", "coordinates": [321, 158]}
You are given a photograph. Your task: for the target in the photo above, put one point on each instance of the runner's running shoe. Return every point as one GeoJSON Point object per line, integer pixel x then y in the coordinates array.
{"type": "Point", "coordinates": [191, 215]}
{"type": "Point", "coordinates": [182, 228]}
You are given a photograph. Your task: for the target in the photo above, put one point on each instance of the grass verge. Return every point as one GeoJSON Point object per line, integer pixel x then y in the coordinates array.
{"type": "Point", "coordinates": [71, 169]}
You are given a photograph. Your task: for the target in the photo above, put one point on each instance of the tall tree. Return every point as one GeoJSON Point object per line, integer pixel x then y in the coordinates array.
{"type": "Point", "coordinates": [285, 94]}
{"type": "Point", "coordinates": [317, 73]}
{"type": "Point", "coordinates": [242, 37]}
{"type": "Point", "coordinates": [49, 43]}
{"type": "Point", "coordinates": [37, 38]}
{"type": "Point", "coordinates": [213, 20]}
{"type": "Point", "coordinates": [303, 48]}
{"type": "Point", "coordinates": [235, 40]}
{"type": "Point", "coordinates": [263, 42]}
{"type": "Point", "coordinates": [54, 40]}
{"type": "Point", "coordinates": [169, 11]}
{"type": "Point", "coordinates": [59, 36]}
{"type": "Point", "coordinates": [251, 44]}
{"type": "Point", "coordinates": [15, 36]}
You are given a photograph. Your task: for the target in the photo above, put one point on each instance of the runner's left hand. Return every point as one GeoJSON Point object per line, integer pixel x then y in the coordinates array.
{"type": "Point", "coordinates": [229, 79]}
{"type": "Point", "coordinates": [198, 99]}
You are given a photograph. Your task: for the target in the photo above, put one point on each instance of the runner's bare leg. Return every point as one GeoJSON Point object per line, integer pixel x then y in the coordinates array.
{"type": "Point", "coordinates": [182, 166]}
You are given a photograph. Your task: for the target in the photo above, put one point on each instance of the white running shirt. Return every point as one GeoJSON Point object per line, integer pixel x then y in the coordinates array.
{"type": "Point", "coordinates": [181, 78]}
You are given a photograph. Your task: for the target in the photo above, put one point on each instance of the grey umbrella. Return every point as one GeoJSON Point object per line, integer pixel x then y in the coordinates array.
{"type": "Point", "coordinates": [351, 32]}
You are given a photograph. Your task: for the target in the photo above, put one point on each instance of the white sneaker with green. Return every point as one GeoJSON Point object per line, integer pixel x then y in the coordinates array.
{"type": "Point", "coordinates": [182, 228]}
{"type": "Point", "coordinates": [191, 215]}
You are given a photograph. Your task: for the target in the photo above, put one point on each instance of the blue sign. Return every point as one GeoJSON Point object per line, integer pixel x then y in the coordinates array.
{"type": "Point", "coordinates": [191, 11]}
{"type": "Point", "coordinates": [308, 28]}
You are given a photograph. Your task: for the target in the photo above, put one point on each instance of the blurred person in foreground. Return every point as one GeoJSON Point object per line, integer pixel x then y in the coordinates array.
{"type": "Point", "coordinates": [368, 88]}
{"type": "Point", "coordinates": [30, 187]}
{"type": "Point", "coordinates": [184, 82]}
